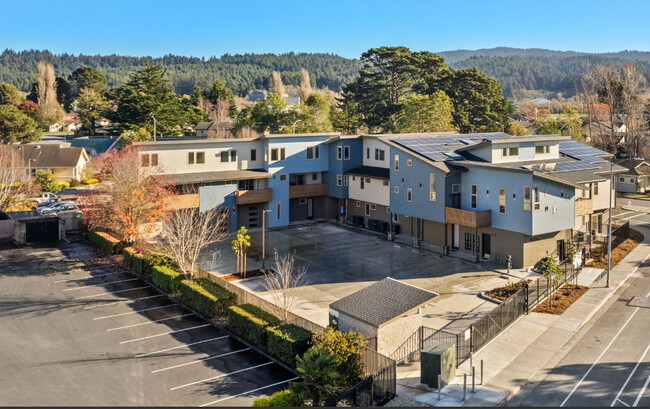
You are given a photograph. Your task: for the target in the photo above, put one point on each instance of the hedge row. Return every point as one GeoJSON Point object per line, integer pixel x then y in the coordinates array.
{"type": "Point", "coordinates": [143, 263]}
{"type": "Point", "coordinates": [207, 297]}
{"type": "Point", "coordinates": [288, 341]}
{"type": "Point", "coordinates": [283, 399]}
{"type": "Point", "coordinates": [166, 278]}
{"type": "Point", "coordinates": [250, 322]}
{"type": "Point", "coordinates": [104, 242]}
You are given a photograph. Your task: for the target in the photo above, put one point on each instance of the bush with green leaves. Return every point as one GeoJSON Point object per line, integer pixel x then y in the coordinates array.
{"type": "Point", "coordinates": [133, 259]}
{"type": "Point", "coordinates": [288, 341]}
{"type": "Point", "coordinates": [64, 185]}
{"type": "Point", "coordinates": [207, 297]}
{"type": "Point", "coordinates": [281, 399]}
{"type": "Point", "coordinates": [151, 260]}
{"type": "Point", "coordinates": [346, 346]}
{"type": "Point", "coordinates": [166, 278]}
{"type": "Point", "coordinates": [320, 373]}
{"type": "Point", "coordinates": [104, 242]}
{"type": "Point", "coordinates": [250, 322]}
{"type": "Point", "coordinates": [47, 181]}
{"type": "Point", "coordinates": [90, 181]}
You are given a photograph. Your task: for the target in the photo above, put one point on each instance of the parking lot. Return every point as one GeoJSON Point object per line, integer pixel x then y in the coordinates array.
{"type": "Point", "coordinates": [77, 331]}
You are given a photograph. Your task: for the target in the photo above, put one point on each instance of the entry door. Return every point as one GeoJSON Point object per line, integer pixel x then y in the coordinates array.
{"type": "Point", "coordinates": [455, 200]}
{"type": "Point", "coordinates": [485, 246]}
{"type": "Point", "coordinates": [561, 253]}
{"type": "Point", "coordinates": [455, 236]}
{"type": "Point", "coordinates": [310, 208]}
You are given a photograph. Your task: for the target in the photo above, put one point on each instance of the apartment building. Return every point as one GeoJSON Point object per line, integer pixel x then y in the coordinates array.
{"type": "Point", "coordinates": [479, 196]}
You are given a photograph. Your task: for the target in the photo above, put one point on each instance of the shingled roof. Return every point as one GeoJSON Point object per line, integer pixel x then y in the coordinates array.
{"type": "Point", "coordinates": [50, 155]}
{"type": "Point", "coordinates": [383, 301]}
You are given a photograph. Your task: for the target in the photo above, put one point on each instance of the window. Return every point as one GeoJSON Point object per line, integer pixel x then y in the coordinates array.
{"type": "Point", "coordinates": [283, 177]}
{"type": "Point", "coordinates": [409, 195]}
{"type": "Point", "coordinates": [409, 162]}
{"type": "Point", "coordinates": [376, 154]}
{"type": "Point", "coordinates": [346, 152]}
{"type": "Point", "coordinates": [474, 196]}
{"type": "Point", "coordinates": [190, 158]}
{"type": "Point", "coordinates": [200, 157]}
{"type": "Point", "coordinates": [224, 156]}
{"type": "Point", "coordinates": [505, 152]}
{"type": "Point", "coordinates": [233, 156]}
{"type": "Point", "coordinates": [144, 160]}
{"type": "Point", "coordinates": [278, 208]}
{"type": "Point", "coordinates": [154, 159]}
{"type": "Point", "coordinates": [358, 203]}
{"type": "Point", "coordinates": [253, 155]}
{"type": "Point", "coordinates": [536, 199]}
{"type": "Point", "coordinates": [621, 179]}
{"type": "Point", "coordinates": [313, 152]}
{"type": "Point", "coordinates": [345, 180]}
{"type": "Point", "coordinates": [395, 218]}
{"type": "Point", "coordinates": [274, 154]}
{"type": "Point", "coordinates": [396, 162]}
{"type": "Point", "coordinates": [502, 201]}
{"type": "Point", "coordinates": [367, 153]}
{"type": "Point", "coordinates": [373, 207]}
{"type": "Point", "coordinates": [314, 176]}
{"type": "Point", "coordinates": [432, 187]}
{"type": "Point", "coordinates": [469, 241]}
{"type": "Point", "coordinates": [526, 197]}
{"type": "Point", "coordinates": [302, 201]}
{"type": "Point", "coordinates": [367, 209]}
{"type": "Point", "coordinates": [380, 154]}
{"type": "Point", "coordinates": [631, 180]}
{"type": "Point", "coordinates": [385, 183]}
{"type": "Point", "coordinates": [339, 152]}
{"type": "Point", "coordinates": [295, 180]}
{"type": "Point", "coordinates": [595, 184]}
{"type": "Point", "coordinates": [339, 180]}
{"type": "Point", "coordinates": [282, 153]}
{"type": "Point", "coordinates": [542, 149]}
{"type": "Point", "coordinates": [455, 188]}
{"type": "Point", "coordinates": [362, 183]}
{"type": "Point", "coordinates": [396, 189]}
{"type": "Point", "coordinates": [387, 209]}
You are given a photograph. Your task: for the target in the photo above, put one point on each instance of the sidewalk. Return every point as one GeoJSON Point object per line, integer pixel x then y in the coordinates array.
{"type": "Point", "coordinates": [529, 344]}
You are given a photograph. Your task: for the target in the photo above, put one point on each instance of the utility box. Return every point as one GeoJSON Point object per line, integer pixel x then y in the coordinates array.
{"type": "Point", "coordinates": [438, 360]}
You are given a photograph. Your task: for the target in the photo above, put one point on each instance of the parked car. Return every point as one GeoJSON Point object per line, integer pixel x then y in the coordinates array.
{"type": "Point", "coordinates": [55, 208]}
{"type": "Point", "coordinates": [46, 197]}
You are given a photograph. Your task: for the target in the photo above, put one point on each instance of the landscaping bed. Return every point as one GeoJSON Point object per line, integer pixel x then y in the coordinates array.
{"type": "Point", "coordinates": [618, 253]}
{"type": "Point", "coordinates": [249, 274]}
{"type": "Point", "coordinates": [502, 293]}
{"type": "Point", "coordinates": [562, 299]}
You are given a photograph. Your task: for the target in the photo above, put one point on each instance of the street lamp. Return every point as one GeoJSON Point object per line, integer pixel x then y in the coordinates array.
{"type": "Point", "coordinates": [609, 222]}
{"type": "Point", "coordinates": [154, 128]}
{"type": "Point", "coordinates": [503, 128]}
{"type": "Point", "coordinates": [264, 212]}
{"type": "Point", "coordinates": [293, 127]}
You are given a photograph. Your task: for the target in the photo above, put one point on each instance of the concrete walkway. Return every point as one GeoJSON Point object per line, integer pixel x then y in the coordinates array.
{"type": "Point", "coordinates": [530, 344]}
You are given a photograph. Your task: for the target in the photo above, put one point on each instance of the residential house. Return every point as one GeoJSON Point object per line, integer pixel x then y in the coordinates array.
{"type": "Point", "coordinates": [94, 146]}
{"type": "Point", "coordinates": [66, 163]}
{"type": "Point", "coordinates": [255, 96]}
{"type": "Point", "coordinates": [635, 177]}
{"type": "Point", "coordinates": [214, 130]}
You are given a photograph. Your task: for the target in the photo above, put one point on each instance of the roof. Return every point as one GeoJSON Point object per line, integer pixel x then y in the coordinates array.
{"type": "Point", "coordinates": [631, 166]}
{"type": "Point", "coordinates": [100, 145]}
{"type": "Point", "coordinates": [193, 141]}
{"type": "Point", "coordinates": [302, 135]}
{"type": "Point", "coordinates": [203, 126]}
{"type": "Point", "coordinates": [220, 176]}
{"type": "Point", "coordinates": [383, 301]}
{"type": "Point", "coordinates": [371, 171]}
{"type": "Point", "coordinates": [50, 155]}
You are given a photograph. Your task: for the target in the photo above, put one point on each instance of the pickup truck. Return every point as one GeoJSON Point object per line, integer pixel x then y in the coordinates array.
{"type": "Point", "coordinates": [46, 197]}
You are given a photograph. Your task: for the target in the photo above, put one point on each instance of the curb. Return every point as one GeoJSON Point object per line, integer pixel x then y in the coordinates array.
{"type": "Point", "coordinates": [490, 299]}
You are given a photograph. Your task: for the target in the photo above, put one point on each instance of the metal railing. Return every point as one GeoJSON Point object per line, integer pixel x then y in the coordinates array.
{"type": "Point", "coordinates": [426, 337]}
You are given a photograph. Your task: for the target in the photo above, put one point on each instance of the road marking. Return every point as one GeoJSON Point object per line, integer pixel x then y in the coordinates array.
{"type": "Point", "coordinates": [623, 214]}
{"type": "Point", "coordinates": [221, 376]}
{"type": "Point", "coordinates": [165, 333]}
{"type": "Point", "coordinates": [112, 292]}
{"type": "Point", "coordinates": [630, 377]}
{"type": "Point", "coordinates": [617, 399]}
{"type": "Point", "coordinates": [150, 322]}
{"type": "Point", "coordinates": [631, 217]}
{"type": "Point", "coordinates": [182, 346]}
{"type": "Point", "coordinates": [117, 302]}
{"type": "Point", "coordinates": [201, 360]}
{"type": "Point", "coordinates": [601, 355]}
{"type": "Point", "coordinates": [645, 386]}
{"type": "Point", "coordinates": [86, 278]}
{"type": "Point", "coordinates": [133, 312]}
{"type": "Point", "coordinates": [100, 285]}
{"type": "Point", "coordinates": [251, 391]}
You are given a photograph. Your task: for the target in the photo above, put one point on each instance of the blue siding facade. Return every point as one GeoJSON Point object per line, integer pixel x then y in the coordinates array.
{"type": "Point", "coordinates": [340, 166]}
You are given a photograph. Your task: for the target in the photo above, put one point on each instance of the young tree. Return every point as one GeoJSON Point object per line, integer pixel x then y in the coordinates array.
{"type": "Point", "coordinates": [9, 95]}
{"type": "Point", "coordinates": [189, 231]}
{"type": "Point", "coordinates": [281, 283]}
{"type": "Point", "coordinates": [12, 175]}
{"type": "Point", "coordinates": [132, 199]}
{"type": "Point", "coordinates": [551, 271]}
{"type": "Point", "coordinates": [239, 246]}
{"type": "Point", "coordinates": [47, 181]}
{"type": "Point", "coordinates": [426, 113]}
{"type": "Point", "coordinates": [91, 106]}
{"type": "Point", "coordinates": [305, 85]}
{"type": "Point", "coordinates": [16, 126]}
{"type": "Point", "coordinates": [320, 375]}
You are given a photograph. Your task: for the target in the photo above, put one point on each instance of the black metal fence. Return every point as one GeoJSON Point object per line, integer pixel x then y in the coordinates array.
{"type": "Point", "coordinates": [426, 337]}
{"type": "Point", "coordinates": [593, 237]}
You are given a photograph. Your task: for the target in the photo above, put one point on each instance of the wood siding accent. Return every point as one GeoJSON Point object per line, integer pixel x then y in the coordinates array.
{"type": "Point", "coordinates": [468, 218]}
{"type": "Point", "coordinates": [254, 196]}
{"type": "Point", "coordinates": [318, 189]}
{"type": "Point", "coordinates": [584, 206]}
{"type": "Point", "coordinates": [190, 201]}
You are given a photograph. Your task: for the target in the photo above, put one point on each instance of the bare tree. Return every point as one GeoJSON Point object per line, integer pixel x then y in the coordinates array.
{"type": "Point", "coordinates": [282, 283]}
{"type": "Point", "coordinates": [276, 84]}
{"type": "Point", "coordinates": [13, 173]}
{"type": "Point", "coordinates": [305, 85]}
{"type": "Point", "coordinates": [50, 111]}
{"type": "Point", "coordinates": [633, 105]}
{"type": "Point", "coordinates": [189, 231]}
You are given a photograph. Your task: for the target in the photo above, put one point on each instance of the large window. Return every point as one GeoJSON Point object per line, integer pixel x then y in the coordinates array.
{"type": "Point", "coordinates": [200, 157]}
{"type": "Point", "coordinates": [502, 201]}
{"type": "Point", "coordinates": [542, 149]}
{"type": "Point", "coordinates": [508, 152]}
{"type": "Point", "coordinates": [346, 153]}
{"type": "Point", "coordinates": [526, 197]}
{"type": "Point", "coordinates": [253, 155]}
{"type": "Point", "coordinates": [536, 204]}
{"type": "Point", "coordinates": [474, 194]}
{"type": "Point", "coordinates": [224, 156]}
{"type": "Point", "coordinates": [277, 154]}
{"type": "Point", "coordinates": [339, 152]}
{"type": "Point", "coordinates": [595, 184]}
{"type": "Point", "coordinates": [380, 154]}
{"type": "Point", "coordinates": [432, 187]}
{"type": "Point", "coordinates": [409, 195]}
{"type": "Point", "coordinates": [144, 160]}
{"type": "Point", "coordinates": [190, 158]}
{"type": "Point", "coordinates": [233, 155]}
{"type": "Point", "coordinates": [313, 152]}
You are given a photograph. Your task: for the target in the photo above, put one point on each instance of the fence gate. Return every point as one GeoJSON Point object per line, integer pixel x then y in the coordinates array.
{"type": "Point", "coordinates": [41, 230]}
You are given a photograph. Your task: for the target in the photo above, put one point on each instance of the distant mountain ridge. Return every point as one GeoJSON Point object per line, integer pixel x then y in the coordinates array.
{"type": "Point", "coordinates": [521, 72]}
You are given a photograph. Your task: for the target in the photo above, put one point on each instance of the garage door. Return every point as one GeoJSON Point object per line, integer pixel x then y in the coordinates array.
{"type": "Point", "coordinates": [42, 230]}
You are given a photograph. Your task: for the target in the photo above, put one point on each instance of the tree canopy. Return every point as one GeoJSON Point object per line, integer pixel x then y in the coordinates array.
{"type": "Point", "coordinates": [15, 126]}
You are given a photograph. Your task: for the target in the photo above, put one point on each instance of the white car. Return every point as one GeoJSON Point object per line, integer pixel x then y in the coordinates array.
{"type": "Point", "coordinates": [47, 197]}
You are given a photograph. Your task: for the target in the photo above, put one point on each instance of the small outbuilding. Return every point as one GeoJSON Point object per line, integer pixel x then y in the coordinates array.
{"type": "Point", "coordinates": [30, 226]}
{"type": "Point", "coordinates": [388, 310]}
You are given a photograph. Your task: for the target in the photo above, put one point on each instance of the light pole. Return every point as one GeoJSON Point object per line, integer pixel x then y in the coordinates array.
{"type": "Point", "coordinates": [609, 222]}
{"type": "Point", "coordinates": [503, 128]}
{"type": "Point", "coordinates": [154, 128]}
{"type": "Point", "coordinates": [293, 127]}
{"type": "Point", "coordinates": [264, 212]}
{"type": "Point", "coordinates": [29, 167]}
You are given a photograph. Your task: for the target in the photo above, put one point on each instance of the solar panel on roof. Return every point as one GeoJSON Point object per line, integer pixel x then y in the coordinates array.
{"type": "Point", "coordinates": [569, 166]}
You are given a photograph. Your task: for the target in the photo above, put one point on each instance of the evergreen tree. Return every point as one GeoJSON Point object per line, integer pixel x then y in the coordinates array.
{"type": "Point", "coordinates": [16, 126]}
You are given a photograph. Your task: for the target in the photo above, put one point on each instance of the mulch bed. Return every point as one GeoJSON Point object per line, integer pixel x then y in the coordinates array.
{"type": "Point", "coordinates": [618, 253]}
{"type": "Point", "coordinates": [502, 293]}
{"type": "Point", "coordinates": [562, 299]}
{"type": "Point", "coordinates": [249, 274]}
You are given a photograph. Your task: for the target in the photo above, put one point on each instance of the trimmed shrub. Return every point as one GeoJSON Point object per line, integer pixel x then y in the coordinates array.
{"type": "Point", "coordinates": [347, 347]}
{"type": "Point", "coordinates": [283, 399]}
{"type": "Point", "coordinates": [133, 259]}
{"type": "Point", "coordinates": [250, 322]}
{"type": "Point", "coordinates": [91, 181]}
{"type": "Point", "coordinates": [104, 242]}
{"type": "Point", "coordinates": [64, 185]}
{"type": "Point", "coordinates": [207, 297]}
{"type": "Point", "coordinates": [149, 261]}
{"type": "Point", "coordinates": [75, 183]}
{"type": "Point", "coordinates": [288, 341]}
{"type": "Point", "coordinates": [166, 278]}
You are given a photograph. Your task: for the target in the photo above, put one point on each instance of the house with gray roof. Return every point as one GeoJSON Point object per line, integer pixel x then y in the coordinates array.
{"type": "Point", "coordinates": [64, 162]}
{"type": "Point", "coordinates": [635, 178]}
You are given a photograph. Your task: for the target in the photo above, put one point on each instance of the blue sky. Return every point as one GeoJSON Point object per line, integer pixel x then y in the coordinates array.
{"type": "Point", "coordinates": [347, 28]}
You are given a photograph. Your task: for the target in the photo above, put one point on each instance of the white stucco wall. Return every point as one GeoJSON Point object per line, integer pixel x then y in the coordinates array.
{"type": "Point", "coordinates": [374, 191]}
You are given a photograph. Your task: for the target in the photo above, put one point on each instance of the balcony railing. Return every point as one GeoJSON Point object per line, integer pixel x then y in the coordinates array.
{"type": "Point", "coordinates": [254, 196]}
{"type": "Point", "coordinates": [584, 206]}
{"type": "Point", "coordinates": [190, 201]}
{"type": "Point", "coordinates": [298, 191]}
{"type": "Point", "coordinates": [468, 218]}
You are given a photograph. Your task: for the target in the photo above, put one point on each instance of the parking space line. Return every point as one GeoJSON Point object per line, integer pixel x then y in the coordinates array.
{"type": "Point", "coordinates": [132, 312]}
{"type": "Point", "coordinates": [251, 391]}
{"type": "Point", "coordinates": [201, 360]}
{"type": "Point", "coordinates": [221, 376]}
{"type": "Point", "coordinates": [150, 322]}
{"type": "Point", "coordinates": [112, 292]}
{"type": "Point", "coordinates": [630, 377]}
{"type": "Point", "coordinates": [100, 285]}
{"type": "Point", "coordinates": [89, 277]}
{"type": "Point", "coordinates": [165, 333]}
{"type": "Point", "coordinates": [641, 392]}
{"type": "Point", "coordinates": [117, 302]}
{"type": "Point", "coordinates": [182, 346]}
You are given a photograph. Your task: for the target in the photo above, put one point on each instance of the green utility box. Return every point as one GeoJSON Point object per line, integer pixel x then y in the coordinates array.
{"type": "Point", "coordinates": [438, 360]}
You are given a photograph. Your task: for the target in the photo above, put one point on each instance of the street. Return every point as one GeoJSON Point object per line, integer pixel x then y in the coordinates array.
{"type": "Point", "coordinates": [639, 216]}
